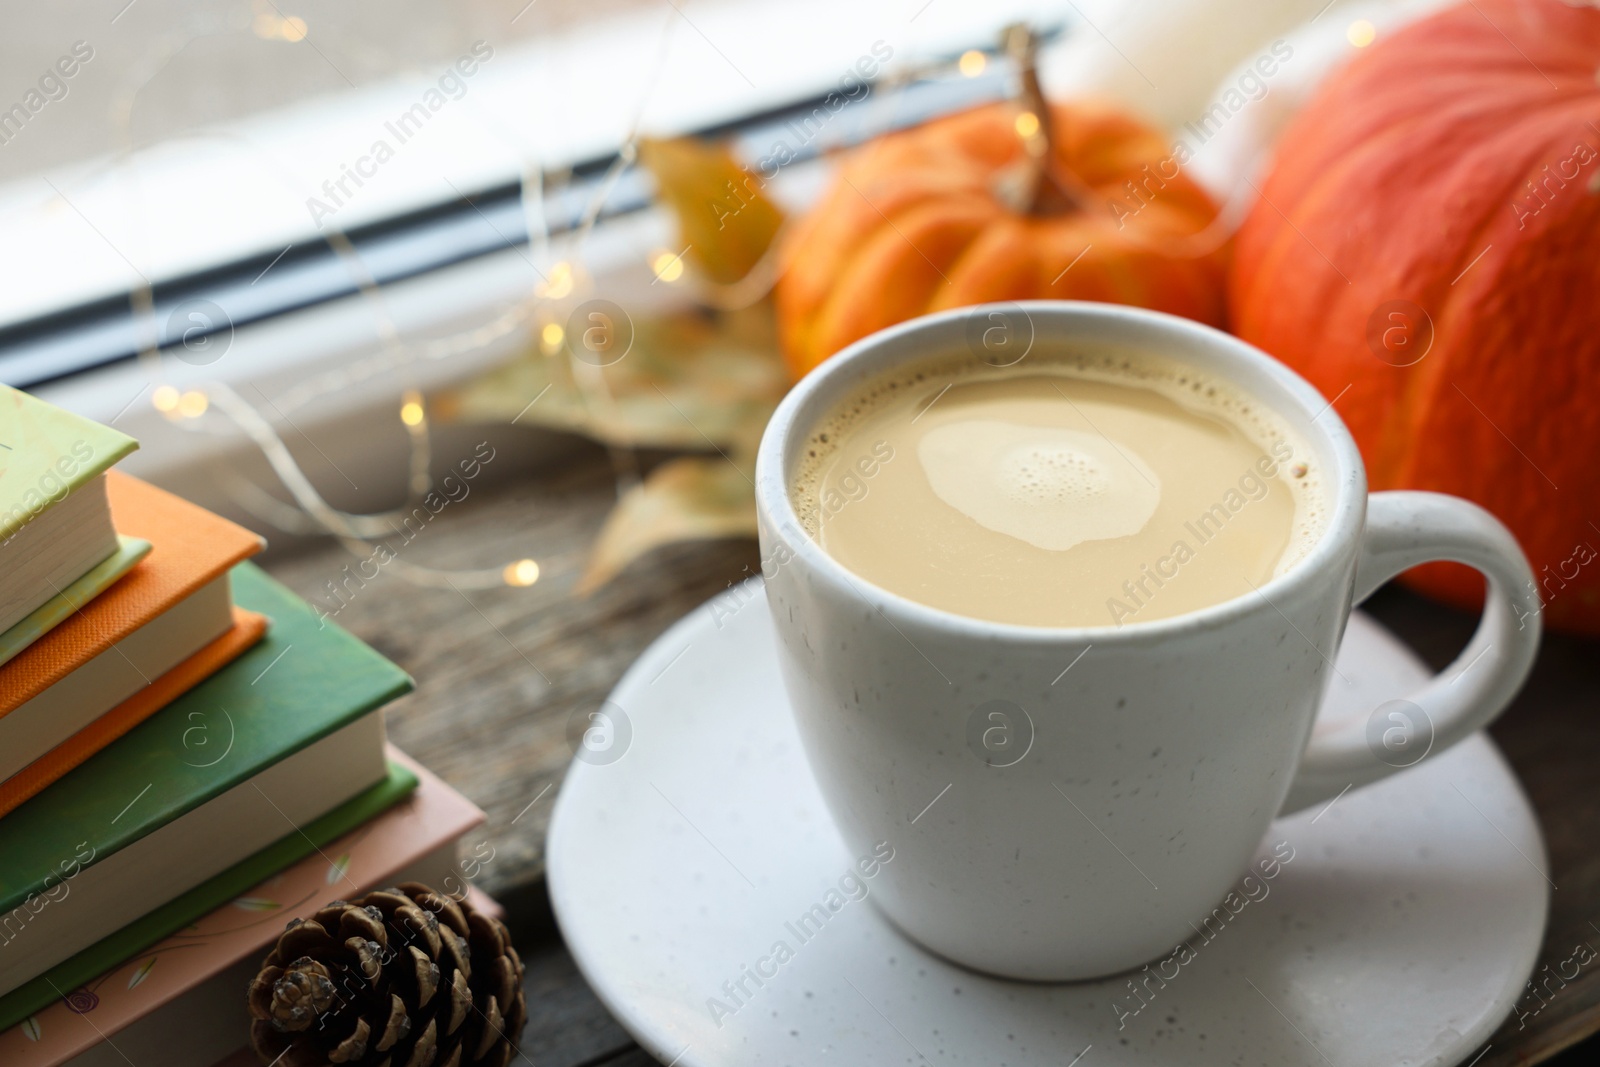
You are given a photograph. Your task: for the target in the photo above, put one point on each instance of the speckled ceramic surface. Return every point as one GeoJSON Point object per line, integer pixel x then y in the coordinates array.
{"type": "Point", "coordinates": [1178, 739]}
{"type": "Point", "coordinates": [690, 842]}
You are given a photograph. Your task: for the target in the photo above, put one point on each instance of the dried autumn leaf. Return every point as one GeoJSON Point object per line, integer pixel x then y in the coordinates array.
{"type": "Point", "coordinates": [690, 380]}
{"type": "Point", "coordinates": [724, 218]}
{"type": "Point", "coordinates": [682, 500]}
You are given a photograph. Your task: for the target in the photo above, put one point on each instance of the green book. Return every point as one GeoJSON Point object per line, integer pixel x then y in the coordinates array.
{"type": "Point", "coordinates": [59, 608]}
{"type": "Point", "coordinates": [111, 951]}
{"type": "Point", "coordinates": [264, 747]}
{"type": "Point", "coordinates": [55, 522]}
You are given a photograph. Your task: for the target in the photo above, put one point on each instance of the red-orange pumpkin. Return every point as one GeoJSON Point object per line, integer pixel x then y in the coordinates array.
{"type": "Point", "coordinates": [1426, 250]}
{"type": "Point", "coordinates": [919, 222]}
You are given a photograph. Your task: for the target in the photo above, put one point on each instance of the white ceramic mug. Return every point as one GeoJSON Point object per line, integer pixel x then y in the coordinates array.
{"type": "Point", "coordinates": [1140, 782]}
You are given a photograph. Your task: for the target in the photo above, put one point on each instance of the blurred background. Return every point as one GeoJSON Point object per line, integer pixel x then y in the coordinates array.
{"type": "Point", "coordinates": [164, 69]}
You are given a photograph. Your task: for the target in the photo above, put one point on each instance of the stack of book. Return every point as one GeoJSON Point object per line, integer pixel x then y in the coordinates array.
{"type": "Point", "coordinates": [189, 758]}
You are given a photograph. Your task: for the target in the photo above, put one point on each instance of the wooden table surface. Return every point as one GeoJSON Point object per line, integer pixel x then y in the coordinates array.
{"type": "Point", "coordinates": [501, 671]}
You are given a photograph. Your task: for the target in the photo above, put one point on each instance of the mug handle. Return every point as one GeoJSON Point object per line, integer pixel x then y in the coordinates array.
{"type": "Point", "coordinates": [1403, 530]}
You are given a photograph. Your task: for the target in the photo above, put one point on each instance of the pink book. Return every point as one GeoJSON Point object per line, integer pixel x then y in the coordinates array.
{"type": "Point", "coordinates": [181, 1002]}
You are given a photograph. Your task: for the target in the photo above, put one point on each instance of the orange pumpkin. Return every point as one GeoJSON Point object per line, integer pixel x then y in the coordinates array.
{"type": "Point", "coordinates": [1425, 252]}
{"type": "Point", "coordinates": [930, 219]}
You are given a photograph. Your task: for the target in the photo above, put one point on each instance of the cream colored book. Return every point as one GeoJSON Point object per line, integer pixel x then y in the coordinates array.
{"type": "Point", "coordinates": [55, 523]}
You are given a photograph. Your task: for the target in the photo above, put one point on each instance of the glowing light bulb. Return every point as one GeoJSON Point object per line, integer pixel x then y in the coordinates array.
{"type": "Point", "coordinates": [165, 398]}
{"type": "Point", "coordinates": [271, 27]}
{"type": "Point", "coordinates": [523, 572]}
{"type": "Point", "coordinates": [1027, 124]}
{"type": "Point", "coordinates": [193, 404]}
{"type": "Point", "coordinates": [558, 283]}
{"type": "Point", "coordinates": [1361, 33]}
{"type": "Point", "coordinates": [551, 336]}
{"type": "Point", "coordinates": [411, 412]}
{"type": "Point", "coordinates": [972, 63]}
{"type": "Point", "coordinates": [667, 265]}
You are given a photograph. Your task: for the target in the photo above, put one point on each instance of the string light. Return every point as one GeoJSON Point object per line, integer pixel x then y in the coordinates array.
{"type": "Point", "coordinates": [558, 283]}
{"type": "Point", "coordinates": [360, 533]}
{"type": "Point", "coordinates": [1361, 33]}
{"type": "Point", "coordinates": [668, 266]}
{"type": "Point", "coordinates": [165, 399]}
{"type": "Point", "coordinates": [193, 404]}
{"type": "Point", "coordinates": [550, 338]}
{"type": "Point", "coordinates": [270, 26]}
{"type": "Point", "coordinates": [1027, 125]}
{"type": "Point", "coordinates": [411, 412]}
{"type": "Point", "coordinates": [523, 572]}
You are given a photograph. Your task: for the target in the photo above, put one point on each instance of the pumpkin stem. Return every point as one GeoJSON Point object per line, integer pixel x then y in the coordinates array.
{"type": "Point", "coordinates": [1035, 187]}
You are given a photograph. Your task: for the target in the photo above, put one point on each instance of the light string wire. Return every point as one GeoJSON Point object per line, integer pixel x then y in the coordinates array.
{"type": "Point", "coordinates": [364, 535]}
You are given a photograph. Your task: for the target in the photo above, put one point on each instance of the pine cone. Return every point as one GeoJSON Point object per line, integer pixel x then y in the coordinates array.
{"type": "Point", "coordinates": [398, 978]}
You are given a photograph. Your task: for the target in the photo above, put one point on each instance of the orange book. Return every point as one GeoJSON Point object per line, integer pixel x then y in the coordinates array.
{"type": "Point", "coordinates": [171, 614]}
{"type": "Point", "coordinates": [246, 630]}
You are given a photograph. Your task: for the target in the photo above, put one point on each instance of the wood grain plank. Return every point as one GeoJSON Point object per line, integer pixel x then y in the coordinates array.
{"type": "Point", "coordinates": [500, 672]}
{"type": "Point", "coordinates": [567, 1025]}
{"type": "Point", "coordinates": [634, 1057]}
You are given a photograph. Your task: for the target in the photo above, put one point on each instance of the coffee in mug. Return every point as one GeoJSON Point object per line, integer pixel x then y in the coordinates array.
{"type": "Point", "coordinates": [1086, 488]}
{"type": "Point", "coordinates": [926, 490]}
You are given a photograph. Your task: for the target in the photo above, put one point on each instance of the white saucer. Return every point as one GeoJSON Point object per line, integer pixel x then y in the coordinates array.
{"type": "Point", "coordinates": [1401, 933]}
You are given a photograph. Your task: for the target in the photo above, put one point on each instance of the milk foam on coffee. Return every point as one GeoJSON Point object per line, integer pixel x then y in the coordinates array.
{"type": "Point", "coordinates": [1075, 490]}
{"type": "Point", "coordinates": [1051, 487]}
